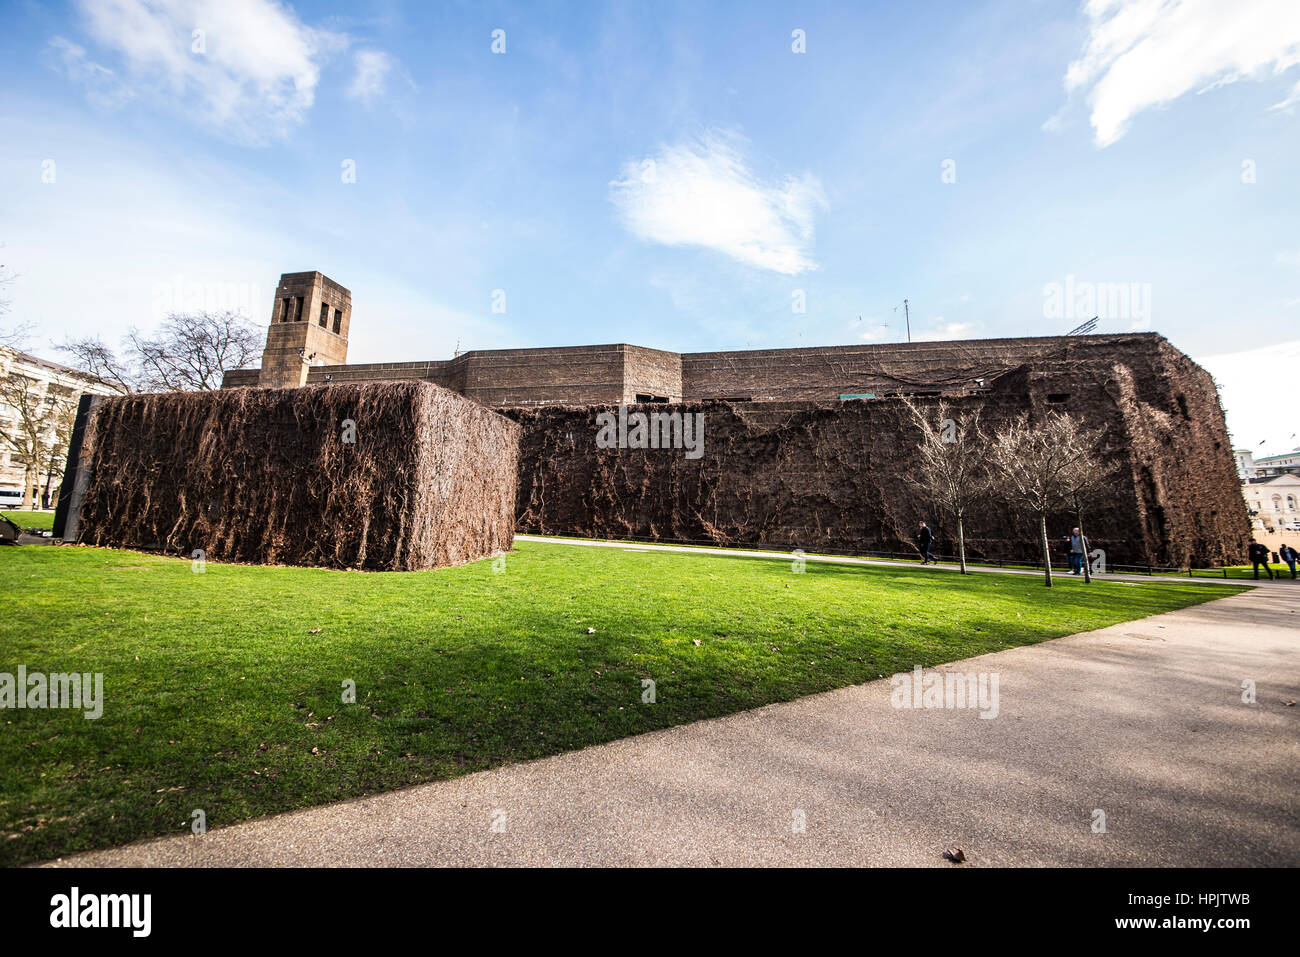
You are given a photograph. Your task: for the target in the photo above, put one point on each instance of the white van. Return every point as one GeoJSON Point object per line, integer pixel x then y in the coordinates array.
{"type": "Point", "coordinates": [11, 497]}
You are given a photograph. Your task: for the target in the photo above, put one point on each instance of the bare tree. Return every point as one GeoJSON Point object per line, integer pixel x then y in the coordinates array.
{"type": "Point", "coordinates": [15, 336]}
{"type": "Point", "coordinates": [62, 421]}
{"type": "Point", "coordinates": [92, 355]}
{"type": "Point", "coordinates": [953, 469]}
{"type": "Point", "coordinates": [28, 430]}
{"type": "Point", "coordinates": [1087, 479]}
{"type": "Point", "coordinates": [190, 352]}
{"type": "Point", "coordinates": [1033, 462]}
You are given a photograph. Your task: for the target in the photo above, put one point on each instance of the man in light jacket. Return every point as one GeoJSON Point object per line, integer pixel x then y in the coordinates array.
{"type": "Point", "coordinates": [1078, 550]}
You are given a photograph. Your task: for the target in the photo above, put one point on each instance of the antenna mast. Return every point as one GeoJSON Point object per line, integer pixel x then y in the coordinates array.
{"type": "Point", "coordinates": [1085, 328]}
{"type": "Point", "coordinates": [908, 319]}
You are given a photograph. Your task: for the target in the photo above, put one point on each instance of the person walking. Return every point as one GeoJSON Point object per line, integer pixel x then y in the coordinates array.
{"type": "Point", "coordinates": [1259, 556]}
{"type": "Point", "coordinates": [1290, 556]}
{"type": "Point", "coordinates": [924, 537]}
{"type": "Point", "coordinates": [1078, 550]}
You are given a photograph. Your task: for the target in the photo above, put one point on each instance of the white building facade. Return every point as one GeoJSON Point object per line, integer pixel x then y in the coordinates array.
{"type": "Point", "coordinates": [1273, 503]}
{"type": "Point", "coordinates": [51, 390]}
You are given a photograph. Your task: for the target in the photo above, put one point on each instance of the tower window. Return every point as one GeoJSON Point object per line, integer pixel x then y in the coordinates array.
{"type": "Point", "coordinates": [338, 321]}
{"type": "Point", "coordinates": [297, 308]}
{"type": "Point", "coordinates": [286, 309]}
{"type": "Point", "coordinates": [324, 314]}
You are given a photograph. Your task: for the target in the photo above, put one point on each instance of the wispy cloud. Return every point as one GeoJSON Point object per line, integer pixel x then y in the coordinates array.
{"type": "Point", "coordinates": [101, 85]}
{"type": "Point", "coordinates": [702, 192]}
{"type": "Point", "coordinates": [371, 77]}
{"type": "Point", "coordinates": [1145, 53]}
{"type": "Point", "coordinates": [940, 331]}
{"type": "Point", "coordinates": [246, 68]}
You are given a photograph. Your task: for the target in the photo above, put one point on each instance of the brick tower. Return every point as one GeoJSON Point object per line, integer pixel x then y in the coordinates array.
{"type": "Point", "coordinates": [309, 327]}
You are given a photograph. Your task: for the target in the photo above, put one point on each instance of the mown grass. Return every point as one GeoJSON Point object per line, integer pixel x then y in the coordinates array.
{"type": "Point", "coordinates": [223, 690]}
{"type": "Point", "coordinates": [1230, 572]}
{"type": "Point", "coordinates": [29, 519]}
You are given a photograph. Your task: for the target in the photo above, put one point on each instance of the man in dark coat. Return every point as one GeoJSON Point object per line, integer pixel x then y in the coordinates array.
{"type": "Point", "coordinates": [1290, 556]}
{"type": "Point", "coordinates": [1259, 556]}
{"type": "Point", "coordinates": [923, 539]}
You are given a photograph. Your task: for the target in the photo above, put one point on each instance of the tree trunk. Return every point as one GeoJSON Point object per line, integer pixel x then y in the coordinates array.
{"type": "Point", "coordinates": [1083, 540]}
{"type": "Point", "coordinates": [49, 481]}
{"type": "Point", "coordinates": [961, 545]}
{"type": "Point", "coordinates": [30, 478]}
{"type": "Point", "coordinates": [1047, 555]}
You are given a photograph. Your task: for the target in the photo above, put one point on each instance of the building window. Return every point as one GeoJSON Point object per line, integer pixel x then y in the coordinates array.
{"type": "Point", "coordinates": [1290, 503]}
{"type": "Point", "coordinates": [286, 309]}
{"type": "Point", "coordinates": [297, 308]}
{"type": "Point", "coordinates": [338, 321]}
{"type": "Point", "coordinates": [324, 314]}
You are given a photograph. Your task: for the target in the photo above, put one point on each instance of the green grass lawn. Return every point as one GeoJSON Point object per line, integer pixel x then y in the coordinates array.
{"type": "Point", "coordinates": [29, 519]}
{"type": "Point", "coordinates": [223, 689]}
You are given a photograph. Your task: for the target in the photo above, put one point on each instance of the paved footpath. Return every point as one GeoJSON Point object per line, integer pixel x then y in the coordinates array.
{"type": "Point", "coordinates": [1142, 720]}
{"type": "Point", "coordinates": [1205, 578]}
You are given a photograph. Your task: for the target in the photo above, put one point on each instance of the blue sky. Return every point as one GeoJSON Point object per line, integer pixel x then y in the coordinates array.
{"type": "Point", "coordinates": [673, 175]}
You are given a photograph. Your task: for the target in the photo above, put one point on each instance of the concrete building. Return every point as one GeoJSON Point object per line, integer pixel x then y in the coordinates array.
{"type": "Point", "coordinates": [307, 344]}
{"type": "Point", "coordinates": [309, 327]}
{"type": "Point", "coordinates": [49, 393]}
{"type": "Point", "coordinates": [786, 462]}
{"type": "Point", "coordinates": [1245, 460]}
{"type": "Point", "coordinates": [1274, 503]}
{"type": "Point", "coordinates": [1288, 463]}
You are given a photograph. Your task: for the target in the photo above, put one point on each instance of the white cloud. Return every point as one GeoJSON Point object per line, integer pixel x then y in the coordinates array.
{"type": "Point", "coordinates": [941, 331]}
{"type": "Point", "coordinates": [371, 77]}
{"type": "Point", "coordinates": [1289, 257]}
{"type": "Point", "coordinates": [701, 192]}
{"type": "Point", "coordinates": [102, 86]}
{"type": "Point", "coordinates": [1249, 384]}
{"type": "Point", "coordinates": [1145, 53]}
{"type": "Point", "coordinates": [251, 74]}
